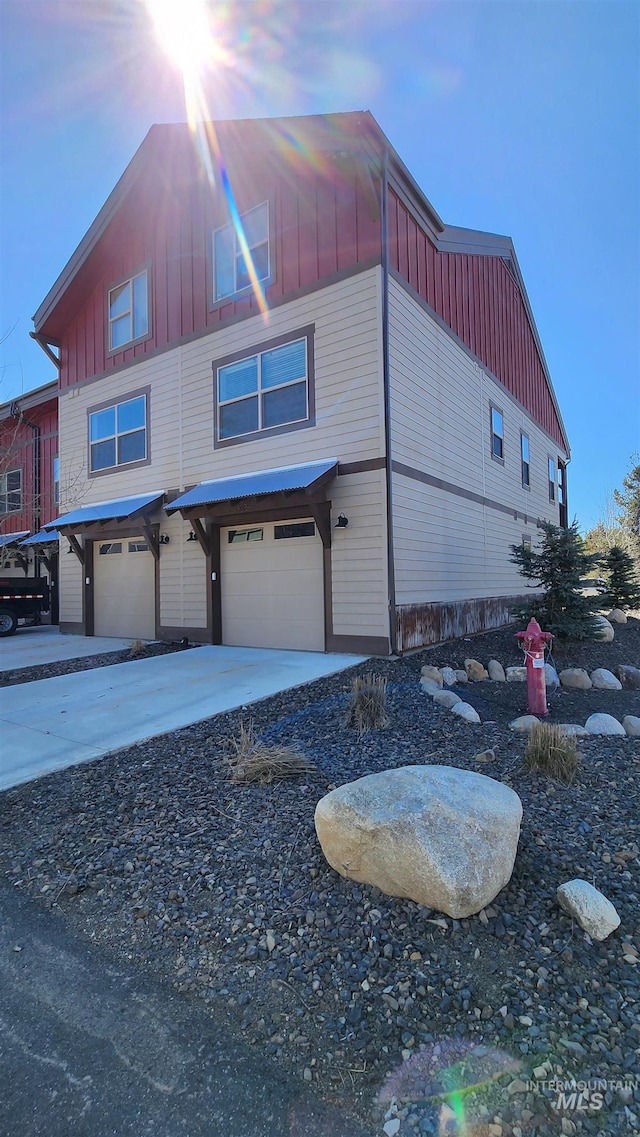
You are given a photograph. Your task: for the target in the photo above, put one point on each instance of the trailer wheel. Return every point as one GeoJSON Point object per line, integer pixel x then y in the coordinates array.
{"type": "Point", "coordinates": [8, 622]}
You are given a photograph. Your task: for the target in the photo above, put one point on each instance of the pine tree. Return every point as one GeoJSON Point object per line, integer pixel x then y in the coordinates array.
{"type": "Point", "coordinates": [622, 582]}
{"type": "Point", "coordinates": [557, 570]}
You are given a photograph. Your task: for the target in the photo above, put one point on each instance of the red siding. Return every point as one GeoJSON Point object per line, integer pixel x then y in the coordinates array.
{"type": "Point", "coordinates": [479, 300]}
{"type": "Point", "coordinates": [323, 221]}
{"type": "Point", "coordinates": [16, 452]}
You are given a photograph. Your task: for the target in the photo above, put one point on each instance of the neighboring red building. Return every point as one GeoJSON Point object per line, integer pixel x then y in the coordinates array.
{"type": "Point", "coordinates": [29, 489]}
{"type": "Point", "coordinates": [362, 335]}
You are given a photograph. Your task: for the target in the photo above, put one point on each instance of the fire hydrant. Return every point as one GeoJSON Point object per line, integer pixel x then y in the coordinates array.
{"type": "Point", "coordinates": [533, 642]}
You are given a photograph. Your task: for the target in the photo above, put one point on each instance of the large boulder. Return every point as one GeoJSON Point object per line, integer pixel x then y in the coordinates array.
{"type": "Point", "coordinates": [466, 711]}
{"type": "Point", "coordinates": [475, 670]}
{"type": "Point", "coordinates": [594, 913]}
{"type": "Point", "coordinates": [617, 616]}
{"type": "Point", "coordinates": [629, 676]}
{"type": "Point", "coordinates": [448, 676]}
{"type": "Point", "coordinates": [447, 699]}
{"type": "Point", "coordinates": [631, 724]}
{"type": "Point", "coordinates": [440, 836]}
{"type": "Point", "coordinates": [432, 673]}
{"type": "Point", "coordinates": [605, 629]}
{"type": "Point", "coordinates": [575, 677]}
{"type": "Point", "coordinates": [516, 674]}
{"type": "Point", "coordinates": [604, 724]}
{"type": "Point", "coordinates": [605, 680]}
{"type": "Point", "coordinates": [496, 671]}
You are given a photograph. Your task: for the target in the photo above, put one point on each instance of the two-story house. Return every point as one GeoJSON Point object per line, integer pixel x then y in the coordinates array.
{"type": "Point", "coordinates": [302, 410]}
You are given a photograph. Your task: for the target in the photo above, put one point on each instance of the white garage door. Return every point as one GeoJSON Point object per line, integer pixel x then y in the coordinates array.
{"type": "Point", "coordinates": [272, 586]}
{"type": "Point", "coordinates": [124, 589]}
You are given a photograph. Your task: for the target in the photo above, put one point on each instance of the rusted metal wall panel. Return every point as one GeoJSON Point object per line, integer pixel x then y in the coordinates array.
{"type": "Point", "coordinates": [480, 301]}
{"type": "Point", "coordinates": [419, 625]}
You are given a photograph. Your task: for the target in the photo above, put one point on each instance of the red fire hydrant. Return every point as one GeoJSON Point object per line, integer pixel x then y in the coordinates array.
{"type": "Point", "coordinates": [533, 642]}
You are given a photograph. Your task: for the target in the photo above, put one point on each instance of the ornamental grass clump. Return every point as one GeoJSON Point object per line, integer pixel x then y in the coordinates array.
{"type": "Point", "coordinates": [137, 649]}
{"type": "Point", "coordinates": [552, 752]}
{"type": "Point", "coordinates": [253, 761]}
{"type": "Point", "coordinates": [368, 701]}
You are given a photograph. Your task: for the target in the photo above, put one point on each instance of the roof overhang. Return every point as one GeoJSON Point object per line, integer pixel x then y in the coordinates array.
{"type": "Point", "coordinates": [308, 479]}
{"type": "Point", "coordinates": [9, 539]}
{"type": "Point", "coordinates": [102, 513]}
{"type": "Point", "coordinates": [44, 537]}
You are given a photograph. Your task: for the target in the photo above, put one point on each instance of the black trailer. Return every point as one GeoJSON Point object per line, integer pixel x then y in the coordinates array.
{"type": "Point", "coordinates": [21, 598]}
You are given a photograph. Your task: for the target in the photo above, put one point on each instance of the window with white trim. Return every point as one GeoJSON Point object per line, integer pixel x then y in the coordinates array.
{"type": "Point", "coordinates": [552, 479]}
{"type": "Point", "coordinates": [128, 311]}
{"type": "Point", "coordinates": [230, 270]}
{"type": "Point", "coordinates": [262, 391]}
{"type": "Point", "coordinates": [525, 460]}
{"type": "Point", "coordinates": [56, 481]}
{"type": "Point", "coordinates": [497, 434]}
{"type": "Point", "coordinates": [118, 434]}
{"type": "Point", "coordinates": [11, 491]}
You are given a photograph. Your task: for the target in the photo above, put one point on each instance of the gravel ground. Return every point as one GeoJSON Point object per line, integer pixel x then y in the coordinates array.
{"type": "Point", "coordinates": [86, 663]}
{"type": "Point", "coordinates": [385, 1006]}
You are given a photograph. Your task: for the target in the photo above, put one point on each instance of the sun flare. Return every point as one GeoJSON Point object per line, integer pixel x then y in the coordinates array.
{"type": "Point", "coordinates": [184, 33]}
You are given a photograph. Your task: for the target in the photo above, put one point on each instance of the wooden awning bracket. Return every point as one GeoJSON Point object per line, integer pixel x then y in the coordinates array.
{"type": "Point", "coordinates": [152, 539]}
{"type": "Point", "coordinates": [322, 516]}
{"type": "Point", "coordinates": [201, 534]}
{"type": "Point", "coordinates": [76, 546]}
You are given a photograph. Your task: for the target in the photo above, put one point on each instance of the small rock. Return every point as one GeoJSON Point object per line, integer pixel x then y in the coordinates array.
{"type": "Point", "coordinates": [604, 724]}
{"type": "Point", "coordinates": [523, 723]}
{"type": "Point", "coordinates": [629, 676]}
{"type": "Point", "coordinates": [631, 724]}
{"type": "Point", "coordinates": [617, 616]}
{"type": "Point", "coordinates": [476, 673]}
{"type": "Point", "coordinates": [496, 671]}
{"type": "Point", "coordinates": [575, 677]}
{"type": "Point", "coordinates": [447, 699]}
{"type": "Point", "coordinates": [432, 673]}
{"type": "Point", "coordinates": [485, 756]}
{"type": "Point", "coordinates": [605, 680]}
{"type": "Point", "coordinates": [307, 1075]}
{"type": "Point", "coordinates": [466, 711]}
{"type": "Point", "coordinates": [461, 676]}
{"type": "Point", "coordinates": [516, 674]}
{"type": "Point", "coordinates": [594, 913]}
{"type": "Point", "coordinates": [392, 1127]}
{"type": "Point", "coordinates": [573, 729]}
{"type": "Point", "coordinates": [271, 942]}
{"type": "Point", "coordinates": [449, 676]}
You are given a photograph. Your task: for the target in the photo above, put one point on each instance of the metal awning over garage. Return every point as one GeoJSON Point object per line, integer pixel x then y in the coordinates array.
{"type": "Point", "coordinates": [12, 538]}
{"type": "Point", "coordinates": [300, 487]}
{"type": "Point", "coordinates": [91, 519]}
{"type": "Point", "coordinates": [44, 537]}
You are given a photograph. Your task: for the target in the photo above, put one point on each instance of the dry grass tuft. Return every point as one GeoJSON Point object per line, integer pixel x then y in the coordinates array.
{"type": "Point", "coordinates": [137, 649]}
{"type": "Point", "coordinates": [255, 761]}
{"type": "Point", "coordinates": [550, 751]}
{"type": "Point", "coordinates": [368, 700]}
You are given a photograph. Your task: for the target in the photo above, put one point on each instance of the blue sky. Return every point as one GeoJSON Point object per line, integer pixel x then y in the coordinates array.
{"type": "Point", "coordinates": [514, 116]}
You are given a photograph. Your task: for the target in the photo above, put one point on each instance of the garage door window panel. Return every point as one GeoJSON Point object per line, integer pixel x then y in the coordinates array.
{"type": "Point", "coordinates": [265, 391]}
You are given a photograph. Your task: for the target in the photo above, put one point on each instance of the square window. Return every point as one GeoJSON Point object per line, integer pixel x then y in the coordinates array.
{"type": "Point", "coordinates": [236, 247]}
{"type": "Point", "coordinates": [128, 306]}
{"type": "Point", "coordinates": [118, 434]}
{"type": "Point", "coordinates": [497, 434]}
{"type": "Point", "coordinates": [265, 390]}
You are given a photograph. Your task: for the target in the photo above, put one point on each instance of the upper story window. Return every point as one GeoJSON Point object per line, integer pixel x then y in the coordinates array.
{"type": "Point", "coordinates": [497, 434]}
{"type": "Point", "coordinates": [526, 467]}
{"type": "Point", "coordinates": [118, 434]}
{"type": "Point", "coordinates": [56, 481]}
{"type": "Point", "coordinates": [230, 271]}
{"type": "Point", "coordinates": [11, 491]}
{"type": "Point", "coordinates": [128, 311]}
{"type": "Point", "coordinates": [266, 391]}
{"type": "Point", "coordinates": [552, 479]}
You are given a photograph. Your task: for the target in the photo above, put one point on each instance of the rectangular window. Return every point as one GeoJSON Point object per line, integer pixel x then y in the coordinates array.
{"type": "Point", "coordinates": [300, 529]}
{"type": "Point", "coordinates": [56, 481]}
{"type": "Point", "coordinates": [265, 390]}
{"type": "Point", "coordinates": [231, 274]}
{"type": "Point", "coordinates": [497, 434]}
{"type": "Point", "coordinates": [128, 311]}
{"type": "Point", "coordinates": [241, 536]}
{"type": "Point", "coordinates": [526, 541]}
{"type": "Point", "coordinates": [118, 434]}
{"type": "Point", "coordinates": [552, 479]}
{"type": "Point", "coordinates": [11, 491]}
{"type": "Point", "coordinates": [526, 468]}
{"type": "Point", "coordinates": [109, 548]}
{"type": "Point", "coordinates": [138, 547]}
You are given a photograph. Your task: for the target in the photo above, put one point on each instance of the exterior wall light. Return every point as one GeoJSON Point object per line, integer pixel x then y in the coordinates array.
{"type": "Point", "coordinates": [192, 536]}
{"type": "Point", "coordinates": [342, 521]}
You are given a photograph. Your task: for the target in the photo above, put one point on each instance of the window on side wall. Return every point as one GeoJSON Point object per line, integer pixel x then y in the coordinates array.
{"type": "Point", "coordinates": [552, 479]}
{"type": "Point", "coordinates": [238, 249]}
{"type": "Point", "coordinates": [497, 434]}
{"type": "Point", "coordinates": [11, 491]}
{"type": "Point", "coordinates": [526, 467]}
{"type": "Point", "coordinates": [118, 435]}
{"type": "Point", "coordinates": [128, 310]}
{"type": "Point", "coordinates": [56, 481]}
{"type": "Point", "coordinates": [265, 392]}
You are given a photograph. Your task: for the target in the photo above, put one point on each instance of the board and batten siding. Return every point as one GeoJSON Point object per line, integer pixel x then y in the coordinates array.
{"type": "Point", "coordinates": [348, 425]}
{"type": "Point", "coordinates": [448, 546]}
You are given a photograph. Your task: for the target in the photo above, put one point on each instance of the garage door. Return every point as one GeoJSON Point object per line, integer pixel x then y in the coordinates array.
{"type": "Point", "coordinates": [124, 589]}
{"type": "Point", "coordinates": [272, 586]}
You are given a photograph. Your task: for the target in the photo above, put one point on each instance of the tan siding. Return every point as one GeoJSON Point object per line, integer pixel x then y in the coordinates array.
{"type": "Point", "coordinates": [446, 546]}
{"type": "Point", "coordinates": [71, 586]}
{"type": "Point", "coordinates": [349, 426]}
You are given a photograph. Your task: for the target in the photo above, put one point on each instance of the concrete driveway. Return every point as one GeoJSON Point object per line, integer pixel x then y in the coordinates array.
{"type": "Point", "coordinates": [30, 647]}
{"type": "Point", "coordinates": [59, 722]}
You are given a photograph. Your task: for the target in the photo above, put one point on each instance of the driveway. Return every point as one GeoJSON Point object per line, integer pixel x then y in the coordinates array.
{"type": "Point", "coordinates": [59, 722]}
{"type": "Point", "coordinates": [30, 647]}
